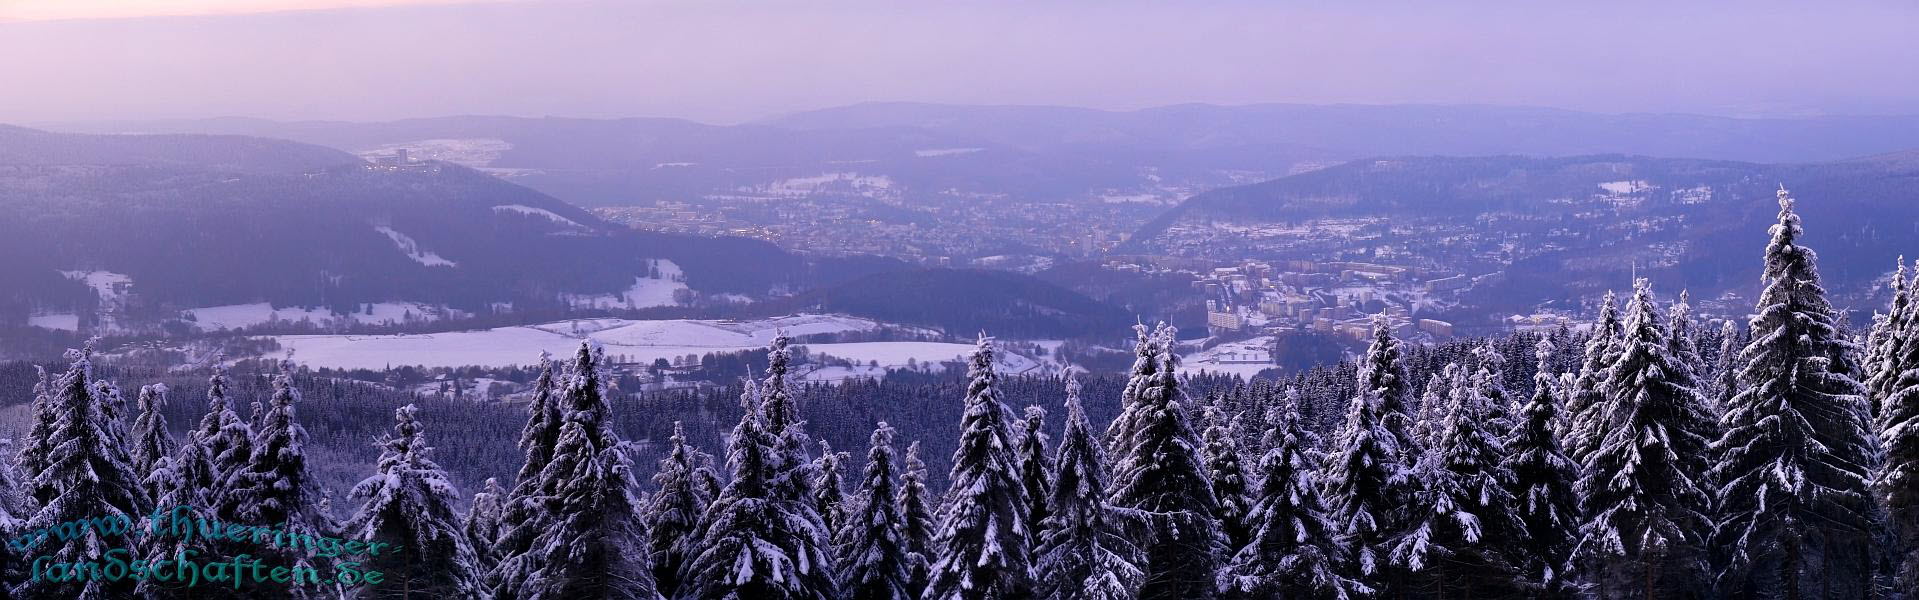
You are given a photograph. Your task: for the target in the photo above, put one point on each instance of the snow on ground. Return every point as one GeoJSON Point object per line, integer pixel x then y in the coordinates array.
{"type": "Point", "coordinates": [841, 373]}
{"type": "Point", "coordinates": [467, 152]}
{"type": "Point", "coordinates": [932, 152]}
{"type": "Point", "coordinates": [62, 321]}
{"type": "Point", "coordinates": [477, 388]}
{"type": "Point", "coordinates": [1623, 187]}
{"type": "Point", "coordinates": [495, 347]}
{"type": "Point", "coordinates": [864, 185]}
{"type": "Point", "coordinates": [110, 286]}
{"type": "Point", "coordinates": [413, 250]}
{"type": "Point", "coordinates": [537, 212]}
{"type": "Point", "coordinates": [644, 293]}
{"type": "Point", "coordinates": [898, 355]}
{"type": "Point", "coordinates": [1130, 198]}
{"type": "Point", "coordinates": [235, 316]}
{"type": "Point", "coordinates": [1244, 358]}
{"type": "Point", "coordinates": [638, 341]}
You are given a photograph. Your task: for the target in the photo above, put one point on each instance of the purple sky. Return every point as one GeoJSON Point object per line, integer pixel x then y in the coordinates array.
{"type": "Point", "coordinates": [728, 61]}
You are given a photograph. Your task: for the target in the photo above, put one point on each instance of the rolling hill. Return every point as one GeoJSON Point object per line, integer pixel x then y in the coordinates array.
{"type": "Point", "coordinates": [196, 221]}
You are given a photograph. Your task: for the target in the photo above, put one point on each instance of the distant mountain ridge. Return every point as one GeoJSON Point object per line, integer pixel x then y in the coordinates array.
{"type": "Point", "coordinates": [1356, 130]}
{"type": "Point", "coordinates": [20, 146]}
{"type": "Point", "coordinates": [1042, 153]}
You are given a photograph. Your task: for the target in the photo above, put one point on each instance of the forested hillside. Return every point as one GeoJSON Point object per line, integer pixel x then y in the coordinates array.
{"type": "Point", "coordinates": [960, 300]}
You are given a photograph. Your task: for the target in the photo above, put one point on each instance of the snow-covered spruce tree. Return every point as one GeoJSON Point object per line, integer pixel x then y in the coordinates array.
{"type": "Point", "coordinates": [872, 559]}
{"type": "Point", "coordinates": [1294, 552]}
{"type": "Point", "coordinates": [1795, 460]}
{"type": "Point", "coordinates": [1889, 334]}
{"type": "Point", "coordinates": [1228, 475]}
{"type": "Point", "coordinates": [1542, 488]}
{"type": "Point", "coordinates": [981, 546]}
{"type": "Point", "coordinates": [672, 513]}
{"type": "Point", "coordinates": [793, 473]}
{"type": "Point", "coordinates": [1898, 480]}
{"type": "Point", "coordinates": [151, 442]}
{"type": "Point", "coordinates": [1035, 469]}
{"type": "Point", "coordinates": [1725, 383]}
{"type": "Point", "coordinates": [275, 486]}
{"type": "Point", "coordinates": [227, 438]}
{"type": "Point", "coordinates": [706, 476]}
{"type": "Point", "coordinates": [1160, 484]}
{"type": "Point", "coordinates": [114, 405]}
{"type": "Point", "coordinates": [15, 502]}
{"type": "Point", "coordinates": [1082, 552]}
{"type": "Point", "coordinates": [1383, 368]}
{"type": "Point", "coordinates": [185, 479]}
{"type": "Point", "coordinates": [916, 522]}
{"type": "Point", "coordinates": [1432, 404]}
{"type": "Point", "coordinates": [409, 502]}
{"type": "Point", "coordinates": [542, 429]}
{"type": "Point", "coordinates": [1588, 389]}
{"type": "Point", "coordinates": [1364, 484]}
{"type": "Point", "coordinates": [1683, 340]}
{"type": "Point", "coordinates": [591, 540]}
{"type": "Point", "coordinates": [795, 476]}
{"type": "Point", "coordinates": [751, 544]}
{"type": "Point", "coordinates": [1488, 381]}
{"type": "Point", "coordinates": [1462, 519]}
{"type": "Point", "coordinates": [829, 495]}
{"type": "Point", "coordinates": [1643, 484]}
{"type": "Point", "coordinates": [482, 523]}
{"type": "Point", "coordinates": [1145, 369]}
{"type": "Point", "coordinates": [37, 446]}
{"type": "Point", "coordinates": [256, 415]}
{"type": "Point", "coordinates": [523, 504]}
{"type": "Point", "coordinates": [86, 477]}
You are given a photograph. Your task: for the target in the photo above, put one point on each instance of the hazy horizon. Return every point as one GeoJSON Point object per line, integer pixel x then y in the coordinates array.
{"type": "Point", "coordinates": [730, 62]}
{"type": "Point", "coordinates": [95, 124]}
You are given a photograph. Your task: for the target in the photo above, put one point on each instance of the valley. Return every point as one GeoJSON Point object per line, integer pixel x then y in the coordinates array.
{"type": "Point", "coordinates": [443, 237]}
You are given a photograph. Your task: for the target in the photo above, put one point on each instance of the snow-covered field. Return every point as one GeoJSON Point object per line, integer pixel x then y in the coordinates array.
{"type": "Point", "coordinates": [1623, 187]}
{"type": "Point", "coordinates": [468, 152]}
{"type": "Point", "coordinates": [1118, 198]}
{"type": "Point", "coordinates": [537, 212]}
{"type": "Point", "coordinates": [637, 341]}
{"type": "Point", "coordinates": [1244, 358]}
{"type": "Point", "coordinates": [235, 316]}
{"type": "Point", "coordinates": [645, 292]}
{"type": "Point", "coordinates": [870, 186]}
{"type": "Point", "coordinates": [112, 289]}
{"type": "Point", "coordinates": [61, 321]}
{"type": "Point", "coordinates": [412, 249]}
{"type": "Point", "coordinates": [933, 152]}
{"type": "Point", "coordinates": [105, 283]}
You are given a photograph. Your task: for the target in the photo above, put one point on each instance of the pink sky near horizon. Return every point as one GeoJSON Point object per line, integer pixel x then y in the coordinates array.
{"type": "Point", "coordinates": [728, 61]}
{"type": "Point", "coordinates": [53, 10]}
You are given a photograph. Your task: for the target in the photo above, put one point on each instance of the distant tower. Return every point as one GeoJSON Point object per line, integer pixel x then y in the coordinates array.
{"type": "Point", "coordinates": [400, 156]}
